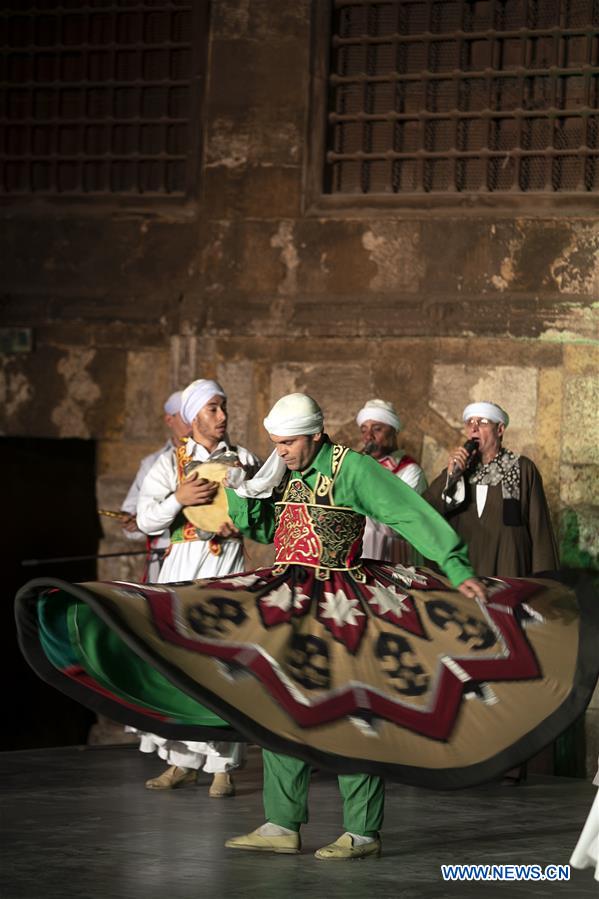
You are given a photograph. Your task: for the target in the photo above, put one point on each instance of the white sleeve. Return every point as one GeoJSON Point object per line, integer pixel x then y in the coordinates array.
{"type": "Point", "coordinates": [250, 462]}
{"type": "Point", "coordinates": [129, 504]}
{"type": "Point", "coordinates": [414, 477]}
{"type": "Point", "coordinates": [458, 494]}
{"type": "Point", "coordinates": [157, 506]}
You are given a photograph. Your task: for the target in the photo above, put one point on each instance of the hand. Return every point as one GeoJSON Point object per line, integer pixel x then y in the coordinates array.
{"type": "Point", "coordinates": [129, 523]}
{"type": "Point", "coordinates": [196, 492]}
{"type": "Point", "coordinates": [227, 529]}
{"type": "Point", "coordinates": [458, 460]}
{"type": "Point", "coordinates": [473, 589]}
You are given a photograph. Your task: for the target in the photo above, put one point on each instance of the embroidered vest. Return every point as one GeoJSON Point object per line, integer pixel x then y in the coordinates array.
{"type": "Point", "coordinates": [311, 530]}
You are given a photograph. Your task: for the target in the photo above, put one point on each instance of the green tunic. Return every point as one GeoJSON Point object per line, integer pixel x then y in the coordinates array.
{"type": "Point", "coordinates": [366, 487]}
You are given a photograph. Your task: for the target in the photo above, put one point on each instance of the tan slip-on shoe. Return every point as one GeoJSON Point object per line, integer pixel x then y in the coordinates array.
{"type": "Point", "coordinates": [222, 786]}
{"type": "Point", "coordinates": [289, 844]}
{"type": "Point", "coordinates": [171, 778]}
{"type": "Point", "coordinates": [344, 848]}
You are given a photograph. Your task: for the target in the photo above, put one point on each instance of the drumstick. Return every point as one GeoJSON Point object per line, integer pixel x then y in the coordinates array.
{"type": "Point", "coordinates": [108, 513]}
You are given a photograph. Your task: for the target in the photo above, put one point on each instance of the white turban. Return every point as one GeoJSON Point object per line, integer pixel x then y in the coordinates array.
{"type": "Point", "coordinates": [196, 395]}
{"type": "Point", "coordinates": [379, 410]}
{"type": "Point", "coordinates": [486, 410]}
{"type": "Point", "coordinates": [173, 404]}
{"type": "Point", "coordinates": [294, 415]}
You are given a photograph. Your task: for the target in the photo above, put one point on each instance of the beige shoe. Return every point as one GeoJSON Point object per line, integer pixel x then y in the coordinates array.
{"type": "Point", "coordinates": [171, 778]}
{"type": "Point", "coordinates": [288, 844]}
{"type": "Point", "coordinates": [344, 848]}
{"type": "Point", "coordinates": [222, 786]}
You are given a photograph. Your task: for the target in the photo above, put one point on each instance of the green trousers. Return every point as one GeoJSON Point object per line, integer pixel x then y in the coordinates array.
{"type": "Point", "coordinates": [286, 784]}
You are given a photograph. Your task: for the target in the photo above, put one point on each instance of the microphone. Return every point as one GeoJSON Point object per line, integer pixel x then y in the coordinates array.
{"type": "Point", "coordinates": [369, 448]}
{"type": "Point", "coordinates": [471, 447]}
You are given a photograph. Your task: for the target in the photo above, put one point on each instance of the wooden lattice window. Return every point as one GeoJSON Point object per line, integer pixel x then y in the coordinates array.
{"type": "Point", "coordinates": [461, 97]}
{"type": "Point", "coordinates": [101, 98]}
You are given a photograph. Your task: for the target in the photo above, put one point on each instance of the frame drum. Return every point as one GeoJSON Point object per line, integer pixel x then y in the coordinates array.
{"type": "Point", "coordinates": [212, 516]}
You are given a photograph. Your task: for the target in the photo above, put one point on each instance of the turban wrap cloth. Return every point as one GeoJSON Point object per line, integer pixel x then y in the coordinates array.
{"type": "Point", "coordinates": [486, 410]}
{"type": "Point", "coordinates": [173, 403]}
{"type": "Point", "coordinates": [379, 410]}
{"type": "Point", "coordinates": [196, 395]}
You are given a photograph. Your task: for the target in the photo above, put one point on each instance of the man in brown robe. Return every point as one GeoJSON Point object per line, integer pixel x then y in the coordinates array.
{"type": "Point", "coordinates": [495, 500]}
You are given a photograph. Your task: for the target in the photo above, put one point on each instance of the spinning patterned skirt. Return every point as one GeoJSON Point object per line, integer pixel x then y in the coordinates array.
{"type": "Point", "coordinates": [384, 670]}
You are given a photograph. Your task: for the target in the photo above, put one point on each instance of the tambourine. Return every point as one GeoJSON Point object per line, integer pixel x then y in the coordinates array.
{"type": "Point", "coordinates": [212, 516]}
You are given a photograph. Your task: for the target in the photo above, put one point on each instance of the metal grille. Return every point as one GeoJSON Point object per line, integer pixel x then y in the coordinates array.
{"type": "Point", "coordinates": [98, 98]}
{"type": "Point", "coordinates": [463, 96]}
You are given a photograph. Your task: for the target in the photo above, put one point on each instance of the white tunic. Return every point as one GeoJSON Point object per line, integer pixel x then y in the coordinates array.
{"type": "Point", "coordinates": [586, 853]}
{"type": "Point", "coordinates": [129, 505]}
{"type": "Point", "coordinates": [382, 542]}
{"type": "Point", "coordinates": [157, 508]}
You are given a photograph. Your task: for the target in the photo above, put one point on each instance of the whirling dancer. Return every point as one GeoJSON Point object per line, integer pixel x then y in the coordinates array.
{"type": "Point", "coordinates": [323, 492]}
{"type": "Point", "coordinates": [366, 669]}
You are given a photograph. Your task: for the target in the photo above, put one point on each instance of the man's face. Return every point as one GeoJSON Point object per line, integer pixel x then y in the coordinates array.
{"type": "Point", "coordinates": [178, 428]}
{"type": "Point", "coordinates": [210, 424]}
{"type": "Point", "coordinates": [381, 439]}
{"type": "Point", "coordinates": [297, 452]}
{"type": "Point", "coordinates": [487, 433]}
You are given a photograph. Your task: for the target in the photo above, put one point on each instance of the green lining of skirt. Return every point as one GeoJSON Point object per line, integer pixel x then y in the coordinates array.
{"type": "Point", "coordinates": [53, 630]}
{"type": "Point", "coordinates": [109, 660]}
{"type": "Point", "coordinates": [72, 635]}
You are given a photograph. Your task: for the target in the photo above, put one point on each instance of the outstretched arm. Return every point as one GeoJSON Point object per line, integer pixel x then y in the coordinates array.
{"type": "Point", "coordinates": [377, 493]}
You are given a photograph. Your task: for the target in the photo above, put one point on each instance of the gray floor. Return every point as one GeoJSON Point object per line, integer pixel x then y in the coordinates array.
{"type": "Point", "coordinates": [78, 823]}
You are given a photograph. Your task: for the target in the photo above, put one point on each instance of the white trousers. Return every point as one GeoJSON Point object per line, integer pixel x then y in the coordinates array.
{"type": "Point", "coordinates": [586, 853]}
{"type": "Point", "coordinates": [213, 758]}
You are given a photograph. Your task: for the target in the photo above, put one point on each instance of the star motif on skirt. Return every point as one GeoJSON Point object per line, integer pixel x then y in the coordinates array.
{"type": "Point", "coordinates": [408, 576]}
{"type": "Point", "coordinates": [279, 599]}
{"type": "Point", "coordinates": [340, 608]}
{"type": "Point", "coordinates": [235, 581]}
{"type": "Point", "coordinates": [244, 580]}
{"type": "Point", "coordinates": [300, 600]}
{"type": "Point", "coordinates": [388, 601]}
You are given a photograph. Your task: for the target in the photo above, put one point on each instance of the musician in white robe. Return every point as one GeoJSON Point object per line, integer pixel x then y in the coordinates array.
{"type": "Point", "coordinates": [586, 852]}
{"type": "Point", "coordinates": [379, 424]}
{"type": "Point", "coordinates": [157, 544]}
{"type": "Point", "coordinates": [193, 554]}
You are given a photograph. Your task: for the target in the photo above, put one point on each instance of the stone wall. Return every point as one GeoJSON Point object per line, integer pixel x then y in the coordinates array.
{"type": "Point", "coordinates": [251, 285]}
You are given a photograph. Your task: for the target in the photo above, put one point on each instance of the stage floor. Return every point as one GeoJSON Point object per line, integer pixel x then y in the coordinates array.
{"type": "Point", "coordinates": [78, 823]}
